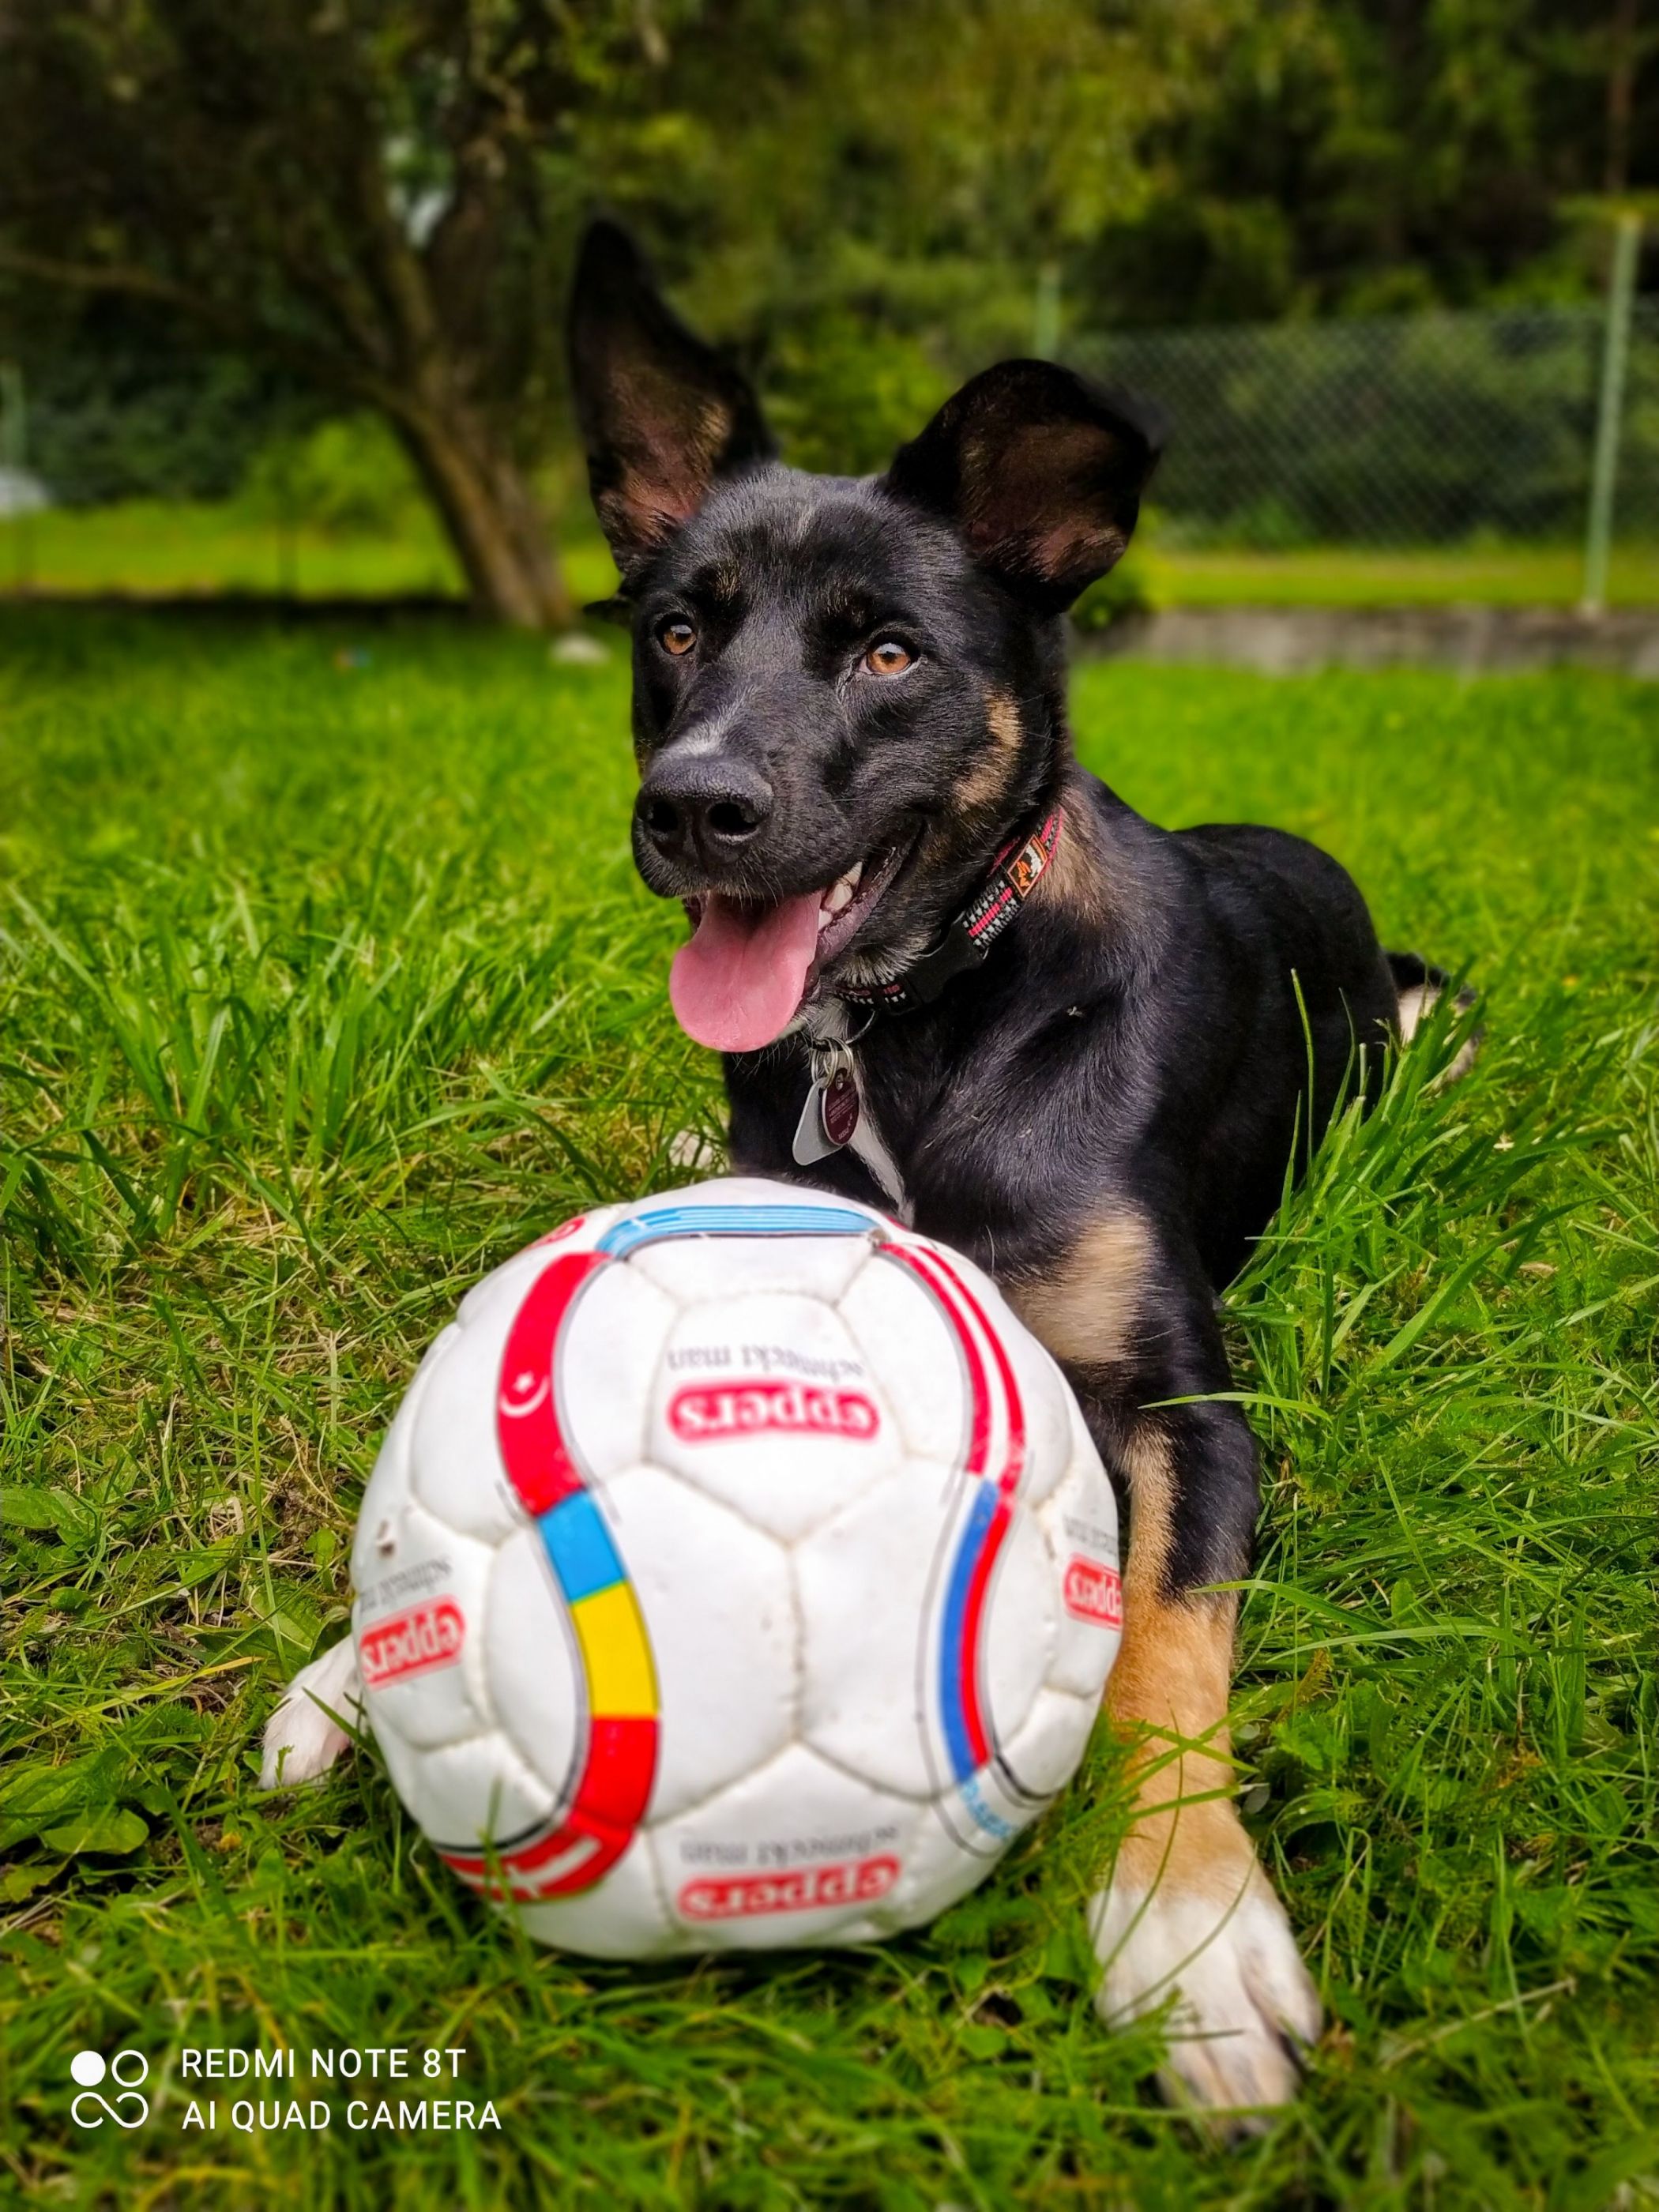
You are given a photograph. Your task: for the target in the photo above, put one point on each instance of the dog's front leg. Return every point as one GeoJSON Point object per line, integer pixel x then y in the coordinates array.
{"type": "Point", "coordinates": [1189, 1914]}
{"type": "Point", "coordinates": [303, 1736]}
{"type": "Point", "coordinates": [1188, 1918]}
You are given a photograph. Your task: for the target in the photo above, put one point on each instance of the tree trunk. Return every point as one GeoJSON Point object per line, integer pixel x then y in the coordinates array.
{"type": "Point", "coordinates": [489, 513]}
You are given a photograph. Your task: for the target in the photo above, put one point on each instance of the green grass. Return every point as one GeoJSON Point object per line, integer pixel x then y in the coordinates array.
{"type": "Point", "coordinates": [156, 548]}
{"type": "Point", "coordinates": [149, 548]}
{"type": "Point", "coordinates": [1346, 576]}
{"type": "Point", "coordinates": [324, 982]}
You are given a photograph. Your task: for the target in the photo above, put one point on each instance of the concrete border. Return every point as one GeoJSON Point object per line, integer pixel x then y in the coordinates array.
{"type": "Point", "coordinates": [1476, 640]}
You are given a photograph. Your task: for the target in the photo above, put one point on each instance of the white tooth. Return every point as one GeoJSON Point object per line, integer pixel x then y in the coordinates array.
{"type": "Point", "coordinates": [839, 897]}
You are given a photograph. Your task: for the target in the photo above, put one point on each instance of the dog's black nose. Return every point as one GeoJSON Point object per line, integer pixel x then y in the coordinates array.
{"type": "Point", "coordinates": [702, 810]}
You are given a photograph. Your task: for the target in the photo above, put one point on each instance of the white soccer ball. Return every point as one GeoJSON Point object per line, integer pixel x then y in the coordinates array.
{"type": "Point", "coordinates": [737, 1572]}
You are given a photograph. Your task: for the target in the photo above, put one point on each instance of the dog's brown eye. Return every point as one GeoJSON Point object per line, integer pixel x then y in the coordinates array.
{"type": "Point", "coordinates": [676, 637]}
{"type": "Point", "coordinates": [888, 658]}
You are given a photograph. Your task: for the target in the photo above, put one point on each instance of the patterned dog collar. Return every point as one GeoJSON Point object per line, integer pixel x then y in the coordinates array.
{"type": "Point", "coordinates": [1013, 877]}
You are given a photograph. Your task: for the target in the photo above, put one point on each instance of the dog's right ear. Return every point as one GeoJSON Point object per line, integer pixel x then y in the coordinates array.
{"type": "Point", "coordinates": [1039, 470]}
{"type": "Point", "coordinates": [661, 414]}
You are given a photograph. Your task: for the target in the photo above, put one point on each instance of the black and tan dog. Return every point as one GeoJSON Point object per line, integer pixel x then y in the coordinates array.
{"type": "Point", "coordinates": [953, 974]}
{"type": "Point", "coordinates": [1077, 1047]}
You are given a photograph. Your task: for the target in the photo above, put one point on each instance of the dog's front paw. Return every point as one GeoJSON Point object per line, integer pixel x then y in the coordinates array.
{"type": "Point", "coordinates": [303, 1737]}
{"type": "Point", "coordinates": [1245, 2008]}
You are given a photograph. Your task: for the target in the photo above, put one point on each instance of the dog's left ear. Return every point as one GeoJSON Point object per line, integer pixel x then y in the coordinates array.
{"type": "Point", "coordinates": [1039, 470]}
{"type": "Point", "coordinates": [662, 414]}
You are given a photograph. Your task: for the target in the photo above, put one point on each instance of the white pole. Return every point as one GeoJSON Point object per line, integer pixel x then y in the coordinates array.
{"type": "Point", "coordinates": [1604, 467]}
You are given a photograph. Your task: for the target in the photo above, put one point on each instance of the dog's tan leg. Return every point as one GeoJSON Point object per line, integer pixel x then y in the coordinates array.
{"type": "Point", "coordinates": [1188, 1918]}
{"type": "Point", "coordinates": [1189, 1914]}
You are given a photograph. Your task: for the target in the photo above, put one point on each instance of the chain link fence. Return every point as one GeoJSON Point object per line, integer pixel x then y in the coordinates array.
{"type": "Point", "coordinates": [1424, 429]}
{"type": "Point", "coordinates": [1447, 435]}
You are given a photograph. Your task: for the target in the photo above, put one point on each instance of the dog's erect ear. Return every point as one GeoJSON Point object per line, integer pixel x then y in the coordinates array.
{"type": "Point", "coordinates": [1039, 470]}
{"type": "Point", "coordinates": [662, 414]}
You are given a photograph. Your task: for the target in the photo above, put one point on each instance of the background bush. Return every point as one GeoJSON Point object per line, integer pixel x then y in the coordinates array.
{"type": "Point", "coordinates": [346, 475]}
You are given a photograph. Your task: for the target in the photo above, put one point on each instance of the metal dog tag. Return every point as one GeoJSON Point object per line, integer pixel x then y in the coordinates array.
{"type": "Point", "coordinates": [829, 1114]}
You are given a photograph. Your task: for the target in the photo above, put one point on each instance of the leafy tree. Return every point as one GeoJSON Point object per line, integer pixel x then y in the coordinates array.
{"type": "Point", "coordinates": [866, 194]}
{"type": "Point", "coordinates": [375, 195]}
{"type": "Point", "coordinates": [1365, 155]}
{"type": "Point", "coordinates": [869, 197]}
{"type": "Point", "coordinates": [380, 197]}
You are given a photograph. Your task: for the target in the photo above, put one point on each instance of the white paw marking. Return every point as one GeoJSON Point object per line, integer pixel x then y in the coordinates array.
{"type": "Point", "coordinates": [1414, 1003]}
{"type": "Point", "coordinates": [1243, 2000]}
{"type": "Point", "coordinates": [302, 1742]}
{"type": "Point", "coordinates": [1417, 1001]}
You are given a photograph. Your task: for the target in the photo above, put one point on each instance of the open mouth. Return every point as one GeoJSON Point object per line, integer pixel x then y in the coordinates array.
{"type": "Point", "coordinates": [750, 966]}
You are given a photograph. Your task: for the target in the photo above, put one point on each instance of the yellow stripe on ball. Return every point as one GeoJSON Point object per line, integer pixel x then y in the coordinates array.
{"type": "Point", "coordinates": [621, 1680]}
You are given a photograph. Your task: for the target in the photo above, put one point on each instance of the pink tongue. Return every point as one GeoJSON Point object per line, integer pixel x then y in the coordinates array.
{"type": "Point", "coordinates": [736, 986]}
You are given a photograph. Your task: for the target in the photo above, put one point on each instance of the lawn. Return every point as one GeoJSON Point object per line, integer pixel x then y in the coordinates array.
{"type": "Point", "coordinates": [149, 550]}
{"type": "Point", "coordinates": [1353, 576]}
{"type": "Point", "coordinates": [157, 549]}
{"type": "Point", "coordinates": [324, 982]}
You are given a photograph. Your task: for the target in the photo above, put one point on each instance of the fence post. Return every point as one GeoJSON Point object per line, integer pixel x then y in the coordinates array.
{"type": "Point", "coordinates": [287, 561]}
{"type": "Point", "coordinates": [1610, 407]}
{"type": "Point", "coordinates": [14, 456]}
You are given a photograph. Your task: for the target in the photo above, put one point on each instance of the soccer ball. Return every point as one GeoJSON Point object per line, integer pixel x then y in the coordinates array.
{"type": "Point", "coordinates": [737, 1572]}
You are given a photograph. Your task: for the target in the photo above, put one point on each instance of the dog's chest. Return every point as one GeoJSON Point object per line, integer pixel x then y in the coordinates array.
{"type": "Point", "coordinates": [970, 1140]}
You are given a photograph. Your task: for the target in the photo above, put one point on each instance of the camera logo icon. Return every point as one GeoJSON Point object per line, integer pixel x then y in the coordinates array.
{"type": "Point", "coordinates": [127, 2069]}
